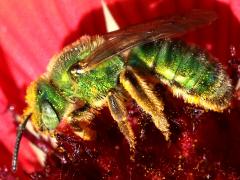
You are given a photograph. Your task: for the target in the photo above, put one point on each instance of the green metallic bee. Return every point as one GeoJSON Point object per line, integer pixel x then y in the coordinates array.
{"type": "Point", "coordinates": [107, 70]}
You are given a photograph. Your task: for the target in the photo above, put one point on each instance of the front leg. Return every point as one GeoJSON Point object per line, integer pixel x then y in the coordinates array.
{"type": "Point", "coordinates": [80, 120]}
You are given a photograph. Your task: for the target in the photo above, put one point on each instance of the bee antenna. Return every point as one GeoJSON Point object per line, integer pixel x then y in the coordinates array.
{"type": "Point", "coordinates": [20, 130]}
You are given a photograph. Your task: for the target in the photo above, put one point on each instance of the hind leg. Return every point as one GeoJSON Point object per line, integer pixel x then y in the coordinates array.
{"type": "Point", "coordinates": [116, 104]}
{"type": "Point", "coordinates": [144, 95]}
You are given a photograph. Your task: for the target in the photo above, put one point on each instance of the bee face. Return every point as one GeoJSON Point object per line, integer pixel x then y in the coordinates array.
{"type": "Point", "coordinates": [45, 104]}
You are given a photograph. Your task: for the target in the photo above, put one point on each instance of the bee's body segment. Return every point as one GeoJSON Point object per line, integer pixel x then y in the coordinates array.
{"type": "Point", "coordinates": [90, 87]}
{"type": "Point", "coordinates": [93, 73]}
{"type": "Point", "coordinates": [188, 71]}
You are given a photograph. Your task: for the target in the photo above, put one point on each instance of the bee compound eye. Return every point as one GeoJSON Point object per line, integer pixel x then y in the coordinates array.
{"type": "Point", "coordinates": [49, 116]}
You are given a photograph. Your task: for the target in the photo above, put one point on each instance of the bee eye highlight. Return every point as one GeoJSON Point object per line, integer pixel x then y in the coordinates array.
{"type": "Point", "coordinates": [49, 116]}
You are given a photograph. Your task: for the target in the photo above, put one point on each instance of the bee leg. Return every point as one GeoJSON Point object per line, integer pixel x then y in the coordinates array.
{"type": "Point", "coordinates": [80, 121]}
{"type": "Point", "coordinates": [118, 111]}
{"type": "Point", "coordinates": [144, 95]}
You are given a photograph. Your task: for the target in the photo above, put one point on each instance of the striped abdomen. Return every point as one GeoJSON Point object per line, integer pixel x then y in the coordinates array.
{"type": "Point", "coordinates": [188, 71]}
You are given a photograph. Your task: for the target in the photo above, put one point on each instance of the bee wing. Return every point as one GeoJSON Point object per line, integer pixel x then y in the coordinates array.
{"type": "Point", "coordinates": [119, 41]}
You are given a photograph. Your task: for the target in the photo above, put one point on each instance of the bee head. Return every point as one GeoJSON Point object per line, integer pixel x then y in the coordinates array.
{"type": "Point", "coordinates": [45, 108]}
{"type": "Point", "coordinates": [45, 105]}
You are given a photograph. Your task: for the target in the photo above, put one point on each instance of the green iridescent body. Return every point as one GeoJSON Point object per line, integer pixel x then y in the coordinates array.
{"type": "Point", "coordinates": [180, 66]}
{"type": "Point", "coordinates": [91, 86]}
{"type": "Point", "coordinates": [187, 70]}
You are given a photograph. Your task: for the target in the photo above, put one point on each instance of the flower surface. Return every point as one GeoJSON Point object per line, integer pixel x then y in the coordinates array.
{"type": "Point", "coordinates": [31, 32]}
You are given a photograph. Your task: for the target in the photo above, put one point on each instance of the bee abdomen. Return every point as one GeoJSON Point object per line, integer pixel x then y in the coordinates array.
{"type": "Point", "coordinates": [188, 71]}
{"type": "Point", "coordinates": [192, 74]}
